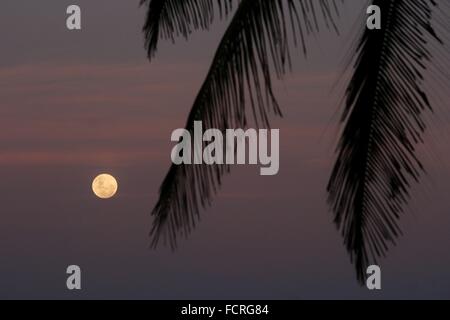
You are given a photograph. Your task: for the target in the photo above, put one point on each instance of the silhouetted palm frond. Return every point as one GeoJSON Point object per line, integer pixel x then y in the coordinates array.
{"type": "Point", "coordinates": [256, 43]}
{"type": "Point", "coordinates": [384, 121]}
{"type": "Point", "coordinates": [168, 19]}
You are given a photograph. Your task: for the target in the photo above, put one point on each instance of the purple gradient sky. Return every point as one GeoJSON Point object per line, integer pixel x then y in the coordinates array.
{"type": "Point", "coordinates": [74, 104]}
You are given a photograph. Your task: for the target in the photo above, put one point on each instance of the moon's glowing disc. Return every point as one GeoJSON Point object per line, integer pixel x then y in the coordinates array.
{"type": "Point", "coordinates": [104, 186]}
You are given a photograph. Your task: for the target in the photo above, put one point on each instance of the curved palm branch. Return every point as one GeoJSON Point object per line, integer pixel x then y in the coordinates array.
{"type": "Point", "coordinates": [384, 121]}
{"type": "Point", "coordinates": [256, 43]}
{"type": "Point", "coordinates": [171, 18]}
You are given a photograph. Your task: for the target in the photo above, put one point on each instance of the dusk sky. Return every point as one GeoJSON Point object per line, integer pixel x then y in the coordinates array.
{"type": "Point", "coordinates": [74, 104]}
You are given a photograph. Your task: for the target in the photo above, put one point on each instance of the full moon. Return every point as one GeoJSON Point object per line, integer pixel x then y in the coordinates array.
{"type": "Point", "coordinates": [104, 186]}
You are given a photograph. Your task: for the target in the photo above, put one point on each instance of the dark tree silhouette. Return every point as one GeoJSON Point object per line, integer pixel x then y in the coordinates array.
{"type": "Point", "coordinates": [384, 120]}
{"type": "Point", "coordinates": [256, 45]}
{"type": "Point", "coordinates": [383, 113]}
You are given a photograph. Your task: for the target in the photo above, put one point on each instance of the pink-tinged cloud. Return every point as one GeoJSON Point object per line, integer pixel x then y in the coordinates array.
{"type": "Point", "coordinates": [110, 158]}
